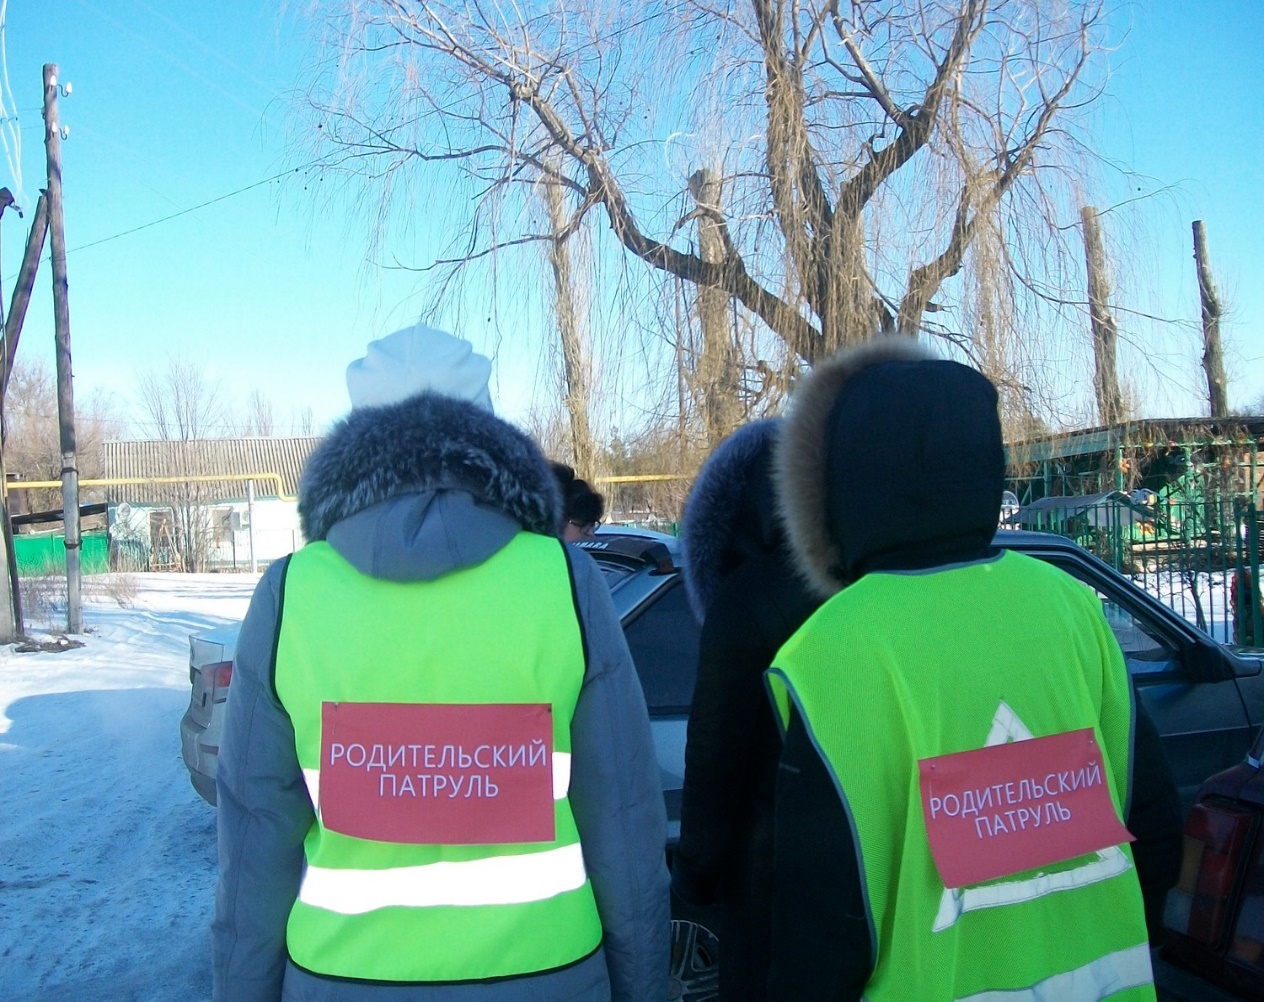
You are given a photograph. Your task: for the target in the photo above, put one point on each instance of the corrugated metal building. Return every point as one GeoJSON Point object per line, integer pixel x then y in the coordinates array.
{"type": "Point", "coordinates": [274, 463]}
{"type": "Point", "coordinates": [190, 504]}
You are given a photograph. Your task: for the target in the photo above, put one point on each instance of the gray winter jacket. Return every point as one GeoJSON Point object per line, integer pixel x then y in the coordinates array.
{"type": "Point", "coordinates": [412, 492]}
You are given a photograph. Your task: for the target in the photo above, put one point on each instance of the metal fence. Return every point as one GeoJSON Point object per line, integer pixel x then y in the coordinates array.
{"type": "Point", "coordinates": [1194, 545]}
{"type": "Point", "coordinates": [44, 553]}
{"type": "Point", "coordinates": [1199, 555]}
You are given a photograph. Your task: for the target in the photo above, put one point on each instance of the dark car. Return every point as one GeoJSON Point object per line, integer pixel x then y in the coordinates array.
{"type": "Point", "coordinates": [1214, 925]}
{"type": "Point", "coordinates": [1207, 700]}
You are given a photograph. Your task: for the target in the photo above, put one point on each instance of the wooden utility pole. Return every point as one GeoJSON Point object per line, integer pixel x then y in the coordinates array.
{"type": "Point", "coordinates": [65, 379]}
{"type": "Point", "coordinates": [1213, 358]}
{"type": "Point", "coordinates": [11, 620]}
{"type": "Point", "coordinates": [10, 606]}
{"type": "Point", "coordinates": [1101, 322]}
{"type": "Point", "coordinates": [26, 283]}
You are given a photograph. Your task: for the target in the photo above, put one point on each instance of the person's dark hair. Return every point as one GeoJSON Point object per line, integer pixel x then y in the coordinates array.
{"type": "Point", "coordinates": [581, 505]}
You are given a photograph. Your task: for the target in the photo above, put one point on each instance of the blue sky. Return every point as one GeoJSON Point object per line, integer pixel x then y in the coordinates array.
{"type": "Point", "coordinates": [1177, 113]}
{"type": "Point", "coordinates": [177, 103]}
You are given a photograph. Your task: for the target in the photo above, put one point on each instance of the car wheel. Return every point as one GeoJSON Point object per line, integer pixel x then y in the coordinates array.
{"type": "Point", "coordinates": [695, 963]}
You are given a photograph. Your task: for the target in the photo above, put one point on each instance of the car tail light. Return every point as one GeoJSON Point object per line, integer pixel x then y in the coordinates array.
{"type": "Point", "coordinates": [1200, 904]}
{"type": "Point", "coordinates": [218, 676]}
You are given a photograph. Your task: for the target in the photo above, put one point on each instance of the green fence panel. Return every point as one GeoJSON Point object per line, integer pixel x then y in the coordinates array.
{"type": "Point", "coordinates": [45, 553]}
{"type": "Point", "coordinates": [1199, 554]}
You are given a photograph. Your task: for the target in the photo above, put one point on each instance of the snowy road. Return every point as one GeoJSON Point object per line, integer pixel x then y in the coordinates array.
{"type": "Point", "coordinates": [107, 856]}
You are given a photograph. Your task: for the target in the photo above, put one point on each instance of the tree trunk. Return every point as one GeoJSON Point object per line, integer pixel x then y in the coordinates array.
{"type": "Point", "coordinates": [719, 369]}
{"type": "Point", "coordinates": [1102, 323]}
{"type": "Point", "coordinates": [851, 309]}
{"type": "Point", "coordinates": [1213, 359]}
{"type": "Point", "coordinates": [574, 367]}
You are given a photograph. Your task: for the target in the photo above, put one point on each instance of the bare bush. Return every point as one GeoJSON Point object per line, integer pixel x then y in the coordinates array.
{"type": "Point", "coordinates": [44, 599]}
{"type": "Point", "coordinates": [119, 588]}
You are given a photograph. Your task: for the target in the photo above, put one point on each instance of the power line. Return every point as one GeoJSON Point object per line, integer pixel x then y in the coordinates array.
{"type": "Point", "coordinates": [193, 208]}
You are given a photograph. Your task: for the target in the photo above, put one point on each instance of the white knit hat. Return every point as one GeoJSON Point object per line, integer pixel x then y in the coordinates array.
{"type": "Point", "coordinates": [419, 359]}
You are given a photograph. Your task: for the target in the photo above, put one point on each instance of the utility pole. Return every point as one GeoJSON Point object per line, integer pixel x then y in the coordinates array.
{"type": "Point", "coordinates": [65, 379]}
{"type": "Point", "coordinates": [10, 606]}
{"type": "Point", "coordinates": [10, 587]}
{"type": "Point", "coordinates": [26, 283]}
{"type": "Point", "coordinates": [1213, 356]}
{"type": "Point", "coordinates": [250, 525]}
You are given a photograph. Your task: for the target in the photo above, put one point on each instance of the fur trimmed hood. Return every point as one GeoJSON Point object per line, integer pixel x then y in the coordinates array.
{"type": "Point", "coordinates": [891, 459]}
{"type": "Point", "coordinates": [428, 442]}
{"type": "Point", "coordinates": [731, 512]}
{"type": "Point", "coordinates": [802, 457]}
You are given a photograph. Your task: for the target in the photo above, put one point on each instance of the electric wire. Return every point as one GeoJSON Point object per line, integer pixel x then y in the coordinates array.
{"type": "Point", "coordinates": [195, 208]}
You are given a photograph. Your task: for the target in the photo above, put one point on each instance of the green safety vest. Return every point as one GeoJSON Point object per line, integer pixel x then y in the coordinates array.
{"type": "Point", "coordinates": [503, 632]}
{"type": "Point", "coordinates": [903, 667]}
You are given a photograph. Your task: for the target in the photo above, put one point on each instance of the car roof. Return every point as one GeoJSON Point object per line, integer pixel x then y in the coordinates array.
{"type": "Point", "coordinates": [634, 548]}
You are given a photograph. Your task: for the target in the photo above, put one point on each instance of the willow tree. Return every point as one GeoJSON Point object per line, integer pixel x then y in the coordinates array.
{"type": "Point", "coordinates": [860, 146]}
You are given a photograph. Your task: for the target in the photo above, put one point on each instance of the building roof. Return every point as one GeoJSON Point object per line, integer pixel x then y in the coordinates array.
{"type": "Point", "coordinates": [1148, 434]}
{"type": "Point", "coordinates": [204, 471]}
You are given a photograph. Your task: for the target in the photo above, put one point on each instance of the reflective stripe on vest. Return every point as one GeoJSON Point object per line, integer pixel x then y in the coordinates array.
{"type": "Point", "coordinates": [389, 911]}
{"type": "Point", "coordinates": [903, 667]}
{"type": "Point", "coordinates": [1096, 980]}
{"type": "Point", "coordinates": [498, 880]}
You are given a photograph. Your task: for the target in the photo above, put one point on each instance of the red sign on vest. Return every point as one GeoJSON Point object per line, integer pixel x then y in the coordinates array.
{"type": "Point", "coordinates": [438, 774]}
{"type": "Point", "coordinates": [1000, 810]}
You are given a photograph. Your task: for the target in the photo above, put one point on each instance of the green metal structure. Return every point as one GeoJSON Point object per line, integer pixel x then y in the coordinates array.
{"type": "Point", "coordinates": [1173, 503]}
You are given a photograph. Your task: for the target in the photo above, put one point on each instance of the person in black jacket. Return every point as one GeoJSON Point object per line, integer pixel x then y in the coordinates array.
{"type": "Point", "coordinates": [582, 507]}
{"type": "Point", "coordinates": [743, 590]}
{"type": "Point", "coordinates": [887, 493]}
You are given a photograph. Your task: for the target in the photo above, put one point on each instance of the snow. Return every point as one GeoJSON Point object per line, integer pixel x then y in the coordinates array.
{"type": "Point", "coordinates": [107, 855]}
{"type": "Point", "coordinates": [1212, 593]}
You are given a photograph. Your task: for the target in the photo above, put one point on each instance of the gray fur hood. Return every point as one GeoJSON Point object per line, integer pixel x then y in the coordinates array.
{"type": "Point", "coordinates": [427, 443]}
{"type": "Point", "coordinates": [731, 513]}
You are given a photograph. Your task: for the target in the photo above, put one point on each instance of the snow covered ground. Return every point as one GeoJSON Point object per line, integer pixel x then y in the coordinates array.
{"type": "Point", "coordinates": [107, 856]}
{"type": "Point", "coordinates": [1205, 592]}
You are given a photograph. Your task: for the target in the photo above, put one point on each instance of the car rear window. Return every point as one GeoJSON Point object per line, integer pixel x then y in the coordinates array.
{"type": "Point", "coordinates": [664, 643]}
{"type": "Point", "coordinates": [614, 573]}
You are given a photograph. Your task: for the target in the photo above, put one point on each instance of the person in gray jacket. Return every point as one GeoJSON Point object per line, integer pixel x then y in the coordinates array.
{"type": "Point", "coordinates": [421, 483]}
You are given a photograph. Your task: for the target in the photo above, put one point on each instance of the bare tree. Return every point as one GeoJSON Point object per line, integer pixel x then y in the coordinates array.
{"type": "Point", "coordinates": [32, 442]}
{"type": "Point", "coordinates": [859, 146]}
{"type": "Point", "coordinates": [182, 406]}
{"type": "Point", "coordinates": [180, 403]}
{"type": "Point", "coordinates": [992, 312]}
{"type": "Point", "coordinates": [259, 418]}
{"type": "Point", "coordinates": [718, 371]}
{"type": "Point", "coordinates": [304, 423]}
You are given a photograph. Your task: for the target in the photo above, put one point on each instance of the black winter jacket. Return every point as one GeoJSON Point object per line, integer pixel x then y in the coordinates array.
{"type": "Point", "coordinates": [744, 588]}
{"type": "Point", "coordinates": [891, 460]}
